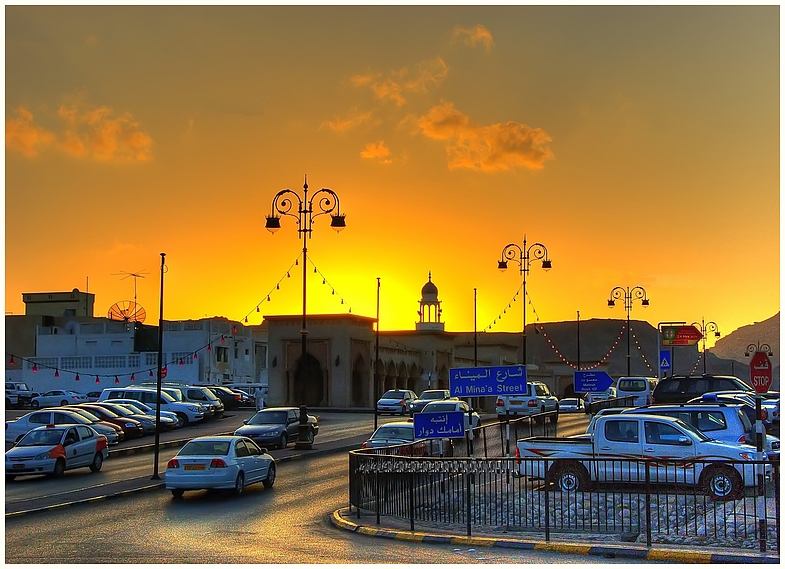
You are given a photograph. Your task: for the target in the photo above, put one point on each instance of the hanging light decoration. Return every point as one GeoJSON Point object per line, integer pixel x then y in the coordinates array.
{"type": "Point", "coordinates": [278, 286]}
{"type": "Point", "coordinates": [181, 362]}
{"type": "Point", "coordinates": [57, 373]}
{"type": "Point", "coordinates": [77, 377]}
{"type": "Point", "coordinates": [116, 380]}
{"type": "Point", "coordinates": [209, 349]}
{"type": "Point", "coordinates": [223, 340]}
{"type": "Point", "coordinates": [12, 360]}
{"type": "Point", "coordinates": [97, 379]}
{"type": "Point", "coordinates": [35, 367]}
{"type": "Point", "coordinates": [132, 377]}
{"type": "Point", "coordinates": [196, 356]}
{"type": "Point", "coordinates": [151, 373]}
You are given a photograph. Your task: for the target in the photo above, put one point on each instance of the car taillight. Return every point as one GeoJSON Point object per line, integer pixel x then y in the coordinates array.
{"type": "Point", "coordinates": [742, 439]}
{"type": "Point", "coordinates": [532, 403]}
{"type": "Point", "coordinates": [499, 402]}
{"type": "Point", "coordinates": [217, 463]}
{"type": "Point", "coordinates": [173, 463]}
{"type": "Point", "coordinates": [237, 397]}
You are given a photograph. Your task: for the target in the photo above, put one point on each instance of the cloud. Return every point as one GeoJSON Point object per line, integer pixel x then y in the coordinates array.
{"type": "Point", "coordinates": [473, 36]}
{"type": "Point", "coordinates": [396, 83]}
{"type": "Point", "coordinates": [95, 132]}
{"type": "Point", "coordinates": [90, 132]}
{"type": "Point", "coordinates": [377, 151]}
{"type": "Point", "coordinates": [22, 135]}
{"type": "Point", "coordinates": [342, 125]}
{"type": "Point", "coordinates": [500, 146]}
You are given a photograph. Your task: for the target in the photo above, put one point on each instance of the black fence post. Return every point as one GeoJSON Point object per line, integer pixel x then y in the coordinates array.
{"type": "Point", "coordinates": [468, 503]}
{"type": "Point", "coordinates": [648, 506]}
{"type": "Point", "coordinates": [378, 498]}
{"type": "Point", "coordinates": [411, 500]}
{"type": "Point", "coordinates": [547, 504]}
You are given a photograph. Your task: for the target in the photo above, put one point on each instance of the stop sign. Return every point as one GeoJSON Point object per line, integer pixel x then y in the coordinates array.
{"type": "Point", "coordinates": [760, 372]}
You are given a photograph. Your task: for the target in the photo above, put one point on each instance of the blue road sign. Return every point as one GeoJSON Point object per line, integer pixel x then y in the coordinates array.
{"type": "Point", "coordinates": [592, 381]}
{"type": "Point", "coordinates": [447, 425]}
{"type": "Point", "coordinates": [665, 359]}
{"type": "Point", "coordinates": [488, 381]}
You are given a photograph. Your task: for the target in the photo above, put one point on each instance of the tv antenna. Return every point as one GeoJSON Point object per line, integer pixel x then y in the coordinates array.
{"type": "Point", "coordinates": [136, 275]}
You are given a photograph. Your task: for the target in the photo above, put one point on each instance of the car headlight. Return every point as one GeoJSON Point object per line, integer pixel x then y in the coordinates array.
{"type": "Point", "coordinates": [130, 425]}
{"type": "Point", "coordinates": [194, 408]}
{"type": "Point", "coordinates": [42, 456]}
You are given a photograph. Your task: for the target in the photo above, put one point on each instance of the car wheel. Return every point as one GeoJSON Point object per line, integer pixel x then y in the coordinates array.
{"type": "Point", "coordinates": [10, 477]}
{"type": "Point", "coordinates": [177, 493]}
{"type": "Point", "coordinates": [98, 462]}
{"type": "Point", "coordinates": [63, 403]}
{"type": "Point", "coordinates": [723, 483]}
{"type": "Point", "coordinates": [310, 436]}
{"type": "Point", "coordinates": [284, 441]}
{"type": "Point", "coordinates": [35, 404]}
{"type": "Point", "coordinates": [183, 419]}
{"type": "Point", "coordinates": [270, 480]}
{"type": "Point", "coordinates": [555, 416]}
{"type": "Point", "coordinates": [239, 484]}
{"type": "Point", "coordinates": [59, 468]}
{"type": "Point", "coordinates": [570, 478]}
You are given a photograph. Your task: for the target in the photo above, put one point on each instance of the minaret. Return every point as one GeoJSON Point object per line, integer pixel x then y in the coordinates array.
{"type": "Point", "coordinates": [430, 308]}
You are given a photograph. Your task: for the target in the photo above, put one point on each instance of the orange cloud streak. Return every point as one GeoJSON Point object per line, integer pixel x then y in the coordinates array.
{"type": "Point", "coordinates": [24, 136]}
{"type": "Point", "coordinates": [473, 36]}
{"type": "Point", "coordinates": [96, 133]}
{"type": "Point", "coordinates": [377, 150]}
{"type": "Point", "coordinates": [425, 75]}
{"type": "Point", "coordinates": [342, 125]}
{"type": "Point", "coordinates": [500, 146]}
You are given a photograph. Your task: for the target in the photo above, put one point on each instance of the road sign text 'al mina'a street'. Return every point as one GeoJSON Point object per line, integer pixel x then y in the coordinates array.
{"type": "Point", "coordinates": [488, 381]}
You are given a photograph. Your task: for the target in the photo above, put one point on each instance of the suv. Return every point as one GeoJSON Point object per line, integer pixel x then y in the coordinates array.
{"type": "Point", "coordinates": [538, 399]}
{"type": "Point", "coordinates": [187, 412]}
{"type": "Point", "coordinates": [682, 388]}
{"type": "Point", "coordinates": [17, 395]}
{"type": "Point", "coordinates": [723, 422]}
{"type": "Point", "coordinates": [198, 395]}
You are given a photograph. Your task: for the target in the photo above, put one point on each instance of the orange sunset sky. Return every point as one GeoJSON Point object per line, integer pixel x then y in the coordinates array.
{"type": "Point", "coordinates": [640, 145]}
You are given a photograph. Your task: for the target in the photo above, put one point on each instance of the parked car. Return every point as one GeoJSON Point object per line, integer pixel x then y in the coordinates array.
{"type": "Point", "coordinates": [396, 402]}
{"type": "Point", "coordinates": [230, 398]}
{"type": "Point", "coordinates": [92, 396]}
{"type": "Point", "coordinates": [112, 432]}
{"type": "Point", "coordinates": [427, 396]}
{"type": "Point", "coordinates": [188, 412]}
{"type": "Point", "coordinates": [747, 402]}
{"type": "Point", "coordinates": [131, 427]}
{"type": "Point", "coordinates": [682, 388]}
{"type": "Point", "coordinates": [53, 449]}
{"type": "Point", "coordinates": [628, 437]}
{"type": "Point", "coordinates": [219, 462]}
{"type": "Point", "coordinates": [452, 405]}
{"type": "Point", "coordinates": [590, 398]}
{"type": "Point", "coordinates": [57, 398]}
{"type": "Point", "coordinates": [277, 426]}
{"type": "Point", "coordinates": [147, 422]}
{"type": "Point", "coordinates": [398, 433]}
{"type": "Point", "coordinates": [570, 405]}
{"type": "Point", "coordinates": [537, 399]}
{"type": "Point", "coordinates": [211, 406]}
{"type": "Point", "coordinates": [601, 413]}
{"type": "Point", "coordinates": [639, 387]}
{"type": "Point", "coordinates": [17, 395]}
{"type": "Point", "coordinates": [15, 430]}
{"type": "Point", "coordinates": [720, 421]}
{"type": "Point", "coordinates": [145, 409]}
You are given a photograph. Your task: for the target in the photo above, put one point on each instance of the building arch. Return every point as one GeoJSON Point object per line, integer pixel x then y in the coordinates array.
{"type": "Point", "coordinates": [390, 375]}
{"type": "Point", "coordinates": [359, 390]}
{"type": "Point", "coordinates": [444, 378]}
{"type": "Point", "coordinates": [309, 382]}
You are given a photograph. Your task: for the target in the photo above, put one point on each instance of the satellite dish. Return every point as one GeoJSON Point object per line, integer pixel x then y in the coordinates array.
{"type": "Point", "coordinates": [127, 311]}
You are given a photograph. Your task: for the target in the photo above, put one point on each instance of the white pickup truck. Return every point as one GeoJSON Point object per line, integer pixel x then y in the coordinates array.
{"type": "Point", "coordinates": [621, 445]}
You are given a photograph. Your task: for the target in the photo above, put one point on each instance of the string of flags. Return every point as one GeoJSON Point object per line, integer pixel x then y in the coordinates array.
{"type": "Point", "coordinates": [503, 312]}
{"type": "Point", "coordinates": [640, 350]}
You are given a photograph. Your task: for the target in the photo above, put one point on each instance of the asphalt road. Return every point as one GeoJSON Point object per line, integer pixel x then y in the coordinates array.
{"type": "Point", "coordinates": [285, 524]}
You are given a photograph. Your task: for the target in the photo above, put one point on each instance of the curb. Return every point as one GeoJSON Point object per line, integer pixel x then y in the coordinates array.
{"type": "Point", "coordinates": [672, 555]}
{"type": "Point", "coordinates": [161, 484]}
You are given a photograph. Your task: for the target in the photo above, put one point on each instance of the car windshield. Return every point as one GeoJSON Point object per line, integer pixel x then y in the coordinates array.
{"type": "Point", "coordinates": [123, 412]}
{"type": "Point", "coordinates": [104, 411]}
{"type": "Point", "coordinates": [43, 437]}
{"type": "Point", "coordinates": [175, 394]}
{"type": "Point", "coordinates": [402, 432]}
{"type": "Point", "coordinates": [209, 395]}
{"type": "Point", "coordinates": [269, 418]}
{"type": "Point", "coordinates": [432, 395]}
{"type": "Point", "coordinates": [22, 387]}
{"type": "Point", "coordinates": [136, 408]}
{"type": "Point", "coordinates": [439, 407]}
{"type": "Point", "coordinates": [86, 414]}
{"type": "Point", "coordinates": [393, 395]}
{"type": "Point", "coordinates": [205, 448]}
{"type": "Point", "coordinates": [632, 385]}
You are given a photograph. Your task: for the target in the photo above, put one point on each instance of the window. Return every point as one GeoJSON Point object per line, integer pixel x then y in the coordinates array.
{"type": "Point", "coordinates": [84, 432]}
{"type": "Point", "coordinates": [662, 434]}
{"type": "Point", "coordinates": [632, 385]}
{"type": "Point", "coordinates": [622, 431]}
{"type": "Point", "coordinates": [708, 421]}
{"type": "Point", "coordinates": [222, 354]}
{"type": "Point", "coordinates": [40, 418]}
{"type": "Point", "coordinates": [240, 449]}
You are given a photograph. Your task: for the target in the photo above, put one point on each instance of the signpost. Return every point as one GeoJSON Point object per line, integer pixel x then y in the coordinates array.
{"type": "Point", "coordinates": [665, 360]}
{"type": "Point", "coordinates": [760, 376]}
{"type": "Point", "coordinates": [488, 381]}
{"type": "Point", "coordinates": [680, 335]}
{"type": "Point", "coordinates": [591, 381]}
{"type": "Point", "coordinates": [760, 372]}
{"type": "Point", "coordinates": [438, 425]}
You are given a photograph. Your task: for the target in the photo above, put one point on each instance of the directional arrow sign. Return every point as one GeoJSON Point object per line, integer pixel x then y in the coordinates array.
{"type": "Point", "coordinates": [760, 372]}
{"type": "Point", "coordinates": [680, 335]}
{"type": "Point", "coordinates": [592, 381]}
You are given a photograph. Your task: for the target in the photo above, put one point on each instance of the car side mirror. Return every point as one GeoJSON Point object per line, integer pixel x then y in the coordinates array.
{"type": "Point", "coordinates": [262, 450]}
{"type": "Point", "coordinates": [685, 441]}
{"type": "Point", "coordinates": [245, 422]}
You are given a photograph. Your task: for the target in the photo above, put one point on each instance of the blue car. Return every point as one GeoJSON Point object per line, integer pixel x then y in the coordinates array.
{"type": "Point", "coordinates": [277, 427]}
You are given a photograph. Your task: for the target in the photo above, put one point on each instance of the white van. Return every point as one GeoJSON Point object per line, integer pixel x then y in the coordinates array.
{"type": "Point", "coordinates": [188, 412]}
{"type": "Point", "coordinates": [639, 387]}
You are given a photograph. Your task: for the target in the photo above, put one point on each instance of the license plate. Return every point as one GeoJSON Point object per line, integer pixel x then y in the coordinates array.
{"type": "Point", "coordinates": [17, 466]}
{"type": "Point", "coordinates": [515, 402]}
{"type": "Point", "coordinates": [194, 467]}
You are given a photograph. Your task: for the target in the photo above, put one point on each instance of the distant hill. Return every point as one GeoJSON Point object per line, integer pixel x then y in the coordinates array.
{"type": "Point", "coordinates": [734, 345]}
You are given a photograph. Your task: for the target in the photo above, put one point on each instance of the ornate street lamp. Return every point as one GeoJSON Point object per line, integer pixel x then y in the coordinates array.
{"type": "Point", "coordinates": [752, 348]}
{"type": "Point", "coordinates": [307, 209]}
{"type": "Point", "coordinates": [705, 327]}
{"type": "Point", "coordinates": [524, 256]}
{"type": "Point", "coordinates": [628, 295]}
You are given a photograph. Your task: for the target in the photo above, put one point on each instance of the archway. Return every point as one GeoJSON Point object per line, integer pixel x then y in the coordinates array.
{"type": "Point", "coordinates": [308, 382]}
{"type": "Point", "coordinates": [359, 395]}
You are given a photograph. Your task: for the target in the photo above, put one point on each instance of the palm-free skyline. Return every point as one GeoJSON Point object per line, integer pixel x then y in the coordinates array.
{"type": "Point", "coordinates": [639, 144]}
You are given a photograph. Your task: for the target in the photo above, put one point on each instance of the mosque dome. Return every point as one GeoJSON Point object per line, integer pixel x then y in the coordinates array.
{"type": "Point", "coordinates": [429, 290]}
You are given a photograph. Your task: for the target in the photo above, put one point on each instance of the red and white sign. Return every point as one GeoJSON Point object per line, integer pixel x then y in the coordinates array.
{"type": "Point", "coordinates": [680, 335]}
{"type": "Point", "coordinates": [760, 372]}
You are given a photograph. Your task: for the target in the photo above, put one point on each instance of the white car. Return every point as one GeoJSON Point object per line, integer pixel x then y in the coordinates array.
{"type": "Point", "coordinates": [396, 402]}
{"type": "Point", "coordinates": [454, 405]}
{"type": "Point", "coordinates": [147, 410]}
{"type": "Point", "coordinates": [219, 462]}
{"type": "Point", "coordinates": [609, 393]}
{"type": "Point", "coordinates": [570, 405]}
{"type": "Point", "coordinates": [58, 398]}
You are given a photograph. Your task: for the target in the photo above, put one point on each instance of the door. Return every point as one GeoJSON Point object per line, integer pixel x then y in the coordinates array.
{"type": "Point", "coordinates": [244, 461]}
{"type": "Point", "coordinates": [667, 441]}
{"type": "Point", "coordinates": [293, 424]}
{"type": "Point", "coordinates": [619, 448]}
{"type": "Point", "coordinates": [76, 454]}
{"type": "Point", "coordinates": [256, 465]}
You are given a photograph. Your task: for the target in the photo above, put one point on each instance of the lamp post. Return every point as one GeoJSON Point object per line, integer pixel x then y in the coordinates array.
{"type": "Point", "coordinates": [628, 295]}
{"type": "Point", "coordinates": [525, 255]}
{"type": "Point", "coordinates": [160, 371]}
{"type": "Point", "coordinates": [706, 327]}
{"type": "Point", "coordinates": [305, 212]}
